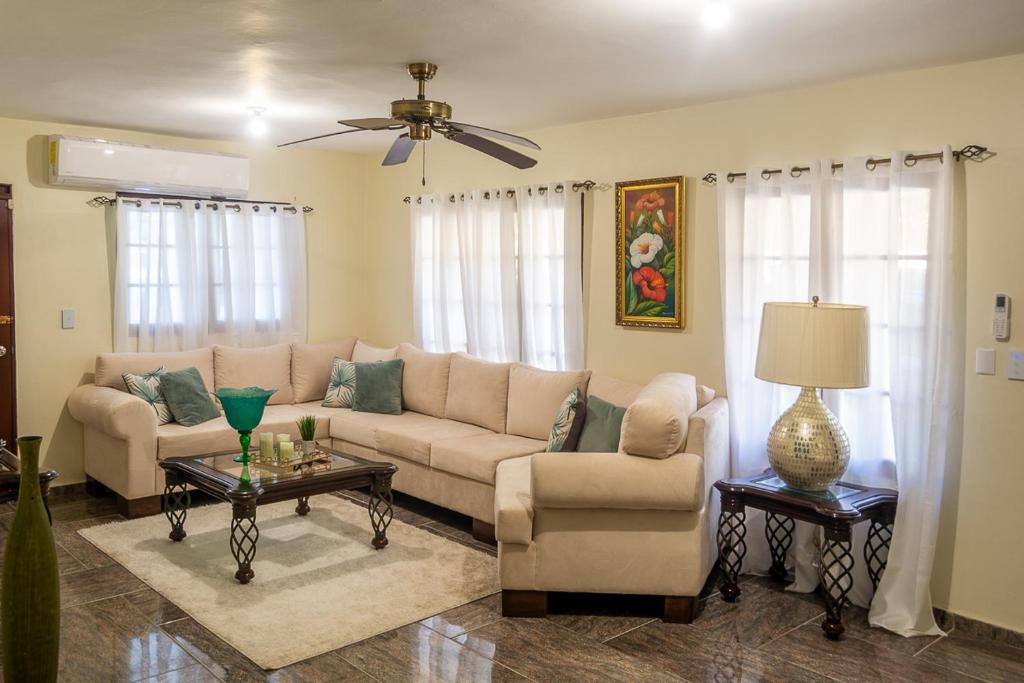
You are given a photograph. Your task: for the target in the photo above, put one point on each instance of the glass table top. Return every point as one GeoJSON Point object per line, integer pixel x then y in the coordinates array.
{"type": "Point", "coordinates": [833, 493]}
{"type": "Point", "coordinates": [225, 463]}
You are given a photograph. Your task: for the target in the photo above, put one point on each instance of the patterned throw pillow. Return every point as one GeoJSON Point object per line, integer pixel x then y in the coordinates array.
{"type": "Point", "coordinates": [565, 433]}
{"type": "Point", "coordinates": [147, 387]}
{"type": "Point", "coordinates": [342, 385]}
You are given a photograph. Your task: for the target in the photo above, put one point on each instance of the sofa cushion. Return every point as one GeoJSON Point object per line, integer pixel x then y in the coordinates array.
{"type": "Point", "coordinates": [342, 385]}
{"type": "Point", "coordinates": [365, 353]}
{"type": "Point", "coordinates": [565, 432]}
{"type": "Point", "coordinates": [416, 441]}
{"type": "Point", "coordinates": [216, 436]}
{"type": "Point", "coordinates": [379, 387]}
{"type": "Point", "coordinates": [267, 367]}
{"type": "Point", "coordinates": [477, 392]}
{"type": "Point", "coordinates": [513, 504]}
{"type": "Point", "coordinates": [361, 428]}
{"type": "Point", "coordinates": [311, 366]}
{"type": "Point", "coordinates": [614, 391]}
{"type": "Point", "coordinates": [147, 387]}
{"type": "Point", "coordinates": [424, 380]}
{"type": "Point", "coordinates": [602, 427]}
{"type": "Point", "coordinates": [187, 397]}
{"type": "Point", "coordinates": [110, 366]}
{"type": "Point", "coordinates": [477, 457]}
{"type": "Point", "coordinates": [535, 396]}
{"type": "Point", "coordinates": [656, 423]}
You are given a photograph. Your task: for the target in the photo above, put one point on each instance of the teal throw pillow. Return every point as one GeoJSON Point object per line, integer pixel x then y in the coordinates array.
{"type": "Point", "coordinates": [342, 384]}
{"type": "Point", "coordinates": [379, 387]}
{"type": "Point", "coordinates": [187, 397]}
{"type": "Point", "coordinates": [147, 387]}
{"type": "Point", "coordinates": [602, 427]}
{"type": "Point", "coordinates": [565, 432]}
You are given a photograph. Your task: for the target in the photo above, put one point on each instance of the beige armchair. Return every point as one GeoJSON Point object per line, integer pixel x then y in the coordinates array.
{"type": "Point", "coordinates": [637, 522]}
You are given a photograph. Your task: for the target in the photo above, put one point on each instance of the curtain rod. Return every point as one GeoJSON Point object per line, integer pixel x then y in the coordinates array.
{"type": "Point", "coordinates": [576, 187]}
{"type": "Point", "coordinates": [969, 152]}
{"type": "Point", "coordinates": [234, 204]}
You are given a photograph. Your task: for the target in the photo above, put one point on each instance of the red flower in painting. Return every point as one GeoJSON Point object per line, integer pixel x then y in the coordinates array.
{"type": "Point", "coordinates": [652, 201]}
{"type": "Point", "coordinates": [651, 283]}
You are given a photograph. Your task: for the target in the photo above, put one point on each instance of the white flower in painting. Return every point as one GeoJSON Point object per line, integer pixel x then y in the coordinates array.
{"type": "Point", "coordinates": [645, 248]}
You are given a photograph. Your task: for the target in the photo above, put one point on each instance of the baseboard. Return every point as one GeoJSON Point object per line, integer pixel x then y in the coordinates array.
{"type": "Point", "coordinates": [975, 628]}
{"type": "Point", "coordinates": [66, 491]}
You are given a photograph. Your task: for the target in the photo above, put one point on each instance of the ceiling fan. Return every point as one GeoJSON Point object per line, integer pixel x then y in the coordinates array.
{"type": "Point", "coordinates": [423, 117]}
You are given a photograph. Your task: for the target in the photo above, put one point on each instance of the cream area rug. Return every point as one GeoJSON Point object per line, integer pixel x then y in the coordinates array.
{"type": "Point", "coordinates": [319, 584]}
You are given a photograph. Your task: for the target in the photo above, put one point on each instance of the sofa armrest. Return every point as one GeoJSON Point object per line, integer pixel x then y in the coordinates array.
{"type": "Point", "coordinates": [513, 504]}
{"type": "Point", "coordinates": [617, 481]}
{"type": "Point", "coordinates": [115, 413]}
{"type": "Point", "coordinates": [709, 438]}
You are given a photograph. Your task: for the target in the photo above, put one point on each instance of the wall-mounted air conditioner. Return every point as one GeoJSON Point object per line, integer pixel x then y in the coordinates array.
{"type": "Point", "coordinates": [108, 165]}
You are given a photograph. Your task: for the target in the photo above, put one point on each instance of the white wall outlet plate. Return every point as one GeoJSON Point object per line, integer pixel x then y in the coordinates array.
{"type": "Point", "coordinates": [67, 319]}
{"type": "Point", "coordinates": [985, 361]}
{"type": "Point", "coordinates": [1015, 367]}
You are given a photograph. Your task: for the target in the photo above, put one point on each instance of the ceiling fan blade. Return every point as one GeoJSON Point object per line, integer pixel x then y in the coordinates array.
{"type": "Point", "coordinates": [318, 137]}
{"type": "Point", "coordinates": [372, 124]}
{"type": "Point", "coordinates": [496, 134]}
{"type": "Point", "coordinates": [509, 156]}
{"type": "Point", "coordinates": [400, 150]}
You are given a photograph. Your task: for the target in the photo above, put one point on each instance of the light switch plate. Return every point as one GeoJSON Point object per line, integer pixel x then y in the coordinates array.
{"type": "Point", "coordinates": [1015, 366]}
{"type": "Point", "coordinates": [67, 318]}
{"type": "Point", "coordinates": [985, 361]}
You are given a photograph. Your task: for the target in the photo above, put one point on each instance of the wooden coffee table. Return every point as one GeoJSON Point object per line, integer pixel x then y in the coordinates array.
{"type": "Point", "coordinates": [218, 476]}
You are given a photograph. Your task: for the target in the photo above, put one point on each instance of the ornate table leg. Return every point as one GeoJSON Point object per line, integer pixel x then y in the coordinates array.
{"type": "Point", "coordinates": [303, 507]}
{"type": "Point", "coordinates": [731, 546]}
{"type": "Point", "coordinates": [177, 500]}
{"type": "Point", "coordinates": [380, 509]}
{"type": "Point", "coordinates": [778, 530]}
{"type": "Point", "coordinates": [876, 550]}
{"type": "Point", "coordinates": [244, 534]}
{"type": "Point", "coordinates": [835, 572]}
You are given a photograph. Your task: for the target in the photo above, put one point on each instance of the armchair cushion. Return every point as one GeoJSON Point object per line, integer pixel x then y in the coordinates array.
{"type": "Point", "coordinates": [617, 481]}
{"type": "Point", "coordinates": [656, 423]}
{"type": "Point", "coordinates": [424, 380]}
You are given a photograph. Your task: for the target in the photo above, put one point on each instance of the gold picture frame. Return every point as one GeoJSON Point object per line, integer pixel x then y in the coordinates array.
{"type": "Point", "coordinates": [650, 253]}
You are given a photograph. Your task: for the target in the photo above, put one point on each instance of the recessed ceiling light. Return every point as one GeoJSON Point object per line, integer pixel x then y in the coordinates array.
{"type": "Point", "coordinates": [716, 15]}
{"type": "Point", "coordinates": [257, 126]}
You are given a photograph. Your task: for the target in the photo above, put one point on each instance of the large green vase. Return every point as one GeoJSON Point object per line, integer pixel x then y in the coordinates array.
{"type": "Point", "coordinates": [31, 584]}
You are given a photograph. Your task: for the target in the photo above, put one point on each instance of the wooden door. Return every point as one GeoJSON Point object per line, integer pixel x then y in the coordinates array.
{"type": "Point", "coordinates": [8, 381]}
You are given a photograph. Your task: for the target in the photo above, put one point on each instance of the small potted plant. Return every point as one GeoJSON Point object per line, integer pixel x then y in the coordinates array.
{"type": "Point", "coordinates": [307, 430]}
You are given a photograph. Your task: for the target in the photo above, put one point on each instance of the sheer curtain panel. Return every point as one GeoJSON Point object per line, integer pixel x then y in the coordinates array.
{"type": "Point", "coordinates": [868, 234]}
{"type": "Point", "coordinates": [188, 276]}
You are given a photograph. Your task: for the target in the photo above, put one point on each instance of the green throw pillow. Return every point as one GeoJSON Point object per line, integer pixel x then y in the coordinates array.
{"type": "Point", "coordinates": [568, 423]}
{"type": "Point", "coordinates": [342, 384]}
{"type": "Point", "coordinates": [187, 397]}
{"type": "Point", "coordinates": [379, 387]}
{"type": "Point", "coordinates": [147, 387]}
{"type": "Point", "coordinates": [601, 428]}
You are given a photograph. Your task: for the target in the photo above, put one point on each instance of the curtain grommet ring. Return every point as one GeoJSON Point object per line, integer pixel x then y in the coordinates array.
{"type": "Point", "coordinates": [766, 174]}
{"type": "Point", "coordinates": [542, 190]}
{"type": "Point", "coordinates": [487, 195]}
{"type": "Point", "coordinates": [559, 189]}
{"type": "Point", "coordinates": [911, 160]}
{"type": "Point", "coordinates": [795, 172]}
{"type": "Point", "coordinates": [870, 164]}
{"type": "Point", "coordinates": [730, 177]}
{"type": "Point", "coordinates": [256, 208]}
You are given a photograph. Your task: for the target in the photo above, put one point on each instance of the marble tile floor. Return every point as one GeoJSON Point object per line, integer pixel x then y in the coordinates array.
{"type": "Point", "coordinates": [115, 628]}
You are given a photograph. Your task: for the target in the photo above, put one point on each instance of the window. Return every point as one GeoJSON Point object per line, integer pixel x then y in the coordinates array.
{"type": "Point", "coordinates": [194, 273]}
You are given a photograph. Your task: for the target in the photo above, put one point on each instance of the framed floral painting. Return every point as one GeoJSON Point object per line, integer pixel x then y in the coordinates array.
{"type": "Point", "coordinates": [650, 253]}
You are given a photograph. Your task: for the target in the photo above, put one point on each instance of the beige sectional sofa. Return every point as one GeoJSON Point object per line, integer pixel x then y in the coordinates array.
{"type": "Point", "coordinates": [564, 521]}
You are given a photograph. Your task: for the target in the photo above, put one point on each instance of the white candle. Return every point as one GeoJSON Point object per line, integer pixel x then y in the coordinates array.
{"type": "Point", "coordinates": [285, 451]}
{"type": "Point", "coordinates": [266, 446]}
{"type": "Point", "coordinates": [284, 438]}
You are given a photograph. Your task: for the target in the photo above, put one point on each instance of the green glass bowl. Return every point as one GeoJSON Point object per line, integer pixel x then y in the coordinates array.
{"type": "Point", "coordinates": [243, 408]}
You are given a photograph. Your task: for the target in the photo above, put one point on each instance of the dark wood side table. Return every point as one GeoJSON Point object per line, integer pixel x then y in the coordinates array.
{"type": "Point", "coordinates": [836, 511]}
{"type": "Point", "coordinates": [10, 479]}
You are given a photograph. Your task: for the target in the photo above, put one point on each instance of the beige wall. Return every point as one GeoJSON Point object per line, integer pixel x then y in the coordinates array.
{"type": "Point", "coordinates": [979, 558]}
{"type": "Point", "coordinates": [64, 259]}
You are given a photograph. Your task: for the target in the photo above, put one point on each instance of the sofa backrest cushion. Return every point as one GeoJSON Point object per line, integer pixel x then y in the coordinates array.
{"type": "Point", "coordinates": [268, 367]}
{"type": "Point", "coordinates": [311, 367]}
{"type": "Point", "coordinates": [614, 391]}
{"type": "Point", "coordinates": [424, 380]}
{"type": "Point", "coordinates": [365, 353]}
{"type": "Point", "coordinates": [478, 392]}
{"type": "Point", "coordinates": [110, 366]}
{"type": "Point", "coordinates": [657, 421]}
{"type": "Point", "coordinates": [535, 396]}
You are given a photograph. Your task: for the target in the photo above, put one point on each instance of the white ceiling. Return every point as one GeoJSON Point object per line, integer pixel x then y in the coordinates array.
{"type": "Point", "coordinates": [192, 67]}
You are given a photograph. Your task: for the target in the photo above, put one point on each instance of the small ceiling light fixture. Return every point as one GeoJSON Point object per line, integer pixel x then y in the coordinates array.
{"type": "Point", "coordinates": [257, 126]}
{"type": "Point", "coordinates": [716, 15]}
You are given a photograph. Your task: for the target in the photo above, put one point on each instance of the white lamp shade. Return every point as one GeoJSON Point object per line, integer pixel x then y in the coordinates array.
{"type": "Point", "coordinates": [814, 345]}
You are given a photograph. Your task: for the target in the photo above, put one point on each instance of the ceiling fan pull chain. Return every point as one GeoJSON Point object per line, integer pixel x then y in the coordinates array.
{"type": "Point", "coordinates": [423, 174]}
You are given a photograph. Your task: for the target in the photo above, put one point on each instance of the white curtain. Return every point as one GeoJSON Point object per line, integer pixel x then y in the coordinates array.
{"type": "Point", "coordinates": [188, 276]}
{"type": "Point", "coordinates": [882, 236]}
{"type": "Point", "coordinates": [498, 273]}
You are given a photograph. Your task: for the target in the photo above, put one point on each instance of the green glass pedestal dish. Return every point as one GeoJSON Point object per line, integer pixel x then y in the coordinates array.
{"type": "Point", "coordinates": [243, 409]}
